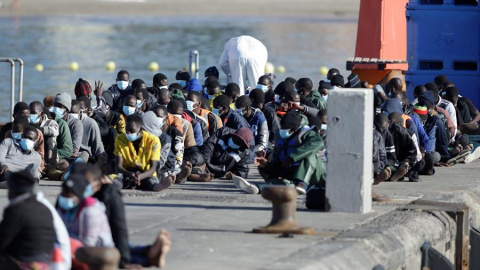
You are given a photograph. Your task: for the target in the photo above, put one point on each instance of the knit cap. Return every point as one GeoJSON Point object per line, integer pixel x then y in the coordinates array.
{"type": "Point", "coordinates": [421, 110]}
{"type": "Point", "coordinates": [65, 99]}
{"type": "Point", "coordinates": [291, 120]}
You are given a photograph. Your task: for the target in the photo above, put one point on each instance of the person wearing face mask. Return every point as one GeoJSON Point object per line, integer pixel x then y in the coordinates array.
{"type": "Point", "coordinates": [137, 154]}
{"type": "Point", "coordinates": [182, 78]}
{"type": "Point", "coordinates": [121, 86]}
{"type": "Point", "coordinates": [175, 157]}
{"type": "Point", "coordinates": [129, 106]}
{"type": "Point", "coordinates": [27, 231]}
{"type": "Point", "coordinates": [292, 102]}
{"type": "Point", "coordinates": [64, 110]}
{"type": "Point", "coordinates": [265, 84]}
{"type": "Point", "coordinates": [21, 108]}
{"type": "Point", "coordinates": [213, 90]}
{"type": "Point", "coordinates": [232, 90]}
{"type": "Point", "coordinates": [92, 135]}
{"type": "Point", "coordinates": [142, 96]}
{"type": "Point", "coordinates": [229, 152]}
{"type": "Point", "coordinates": [230, 118]}
{"type": "Point", "coordinates": [50, 131]}
{"type": "Point", "coordinates": [194, 85]}
{"type": "Point", "coordinates": [305, 89]}
{"type": "Point", "coordinates": [257, 97]}
{"type": "Point", "coordinates": [159, 81]}
{"type": "Point", "coordinates": [16, 156]}
{"type": "Point", "coordinates": [257, 122]}
{"type": "Point", "coordinates": [212, 121]}
{"type": "Point", "coordinates": [83, 215]}
{"type": "Point", "coordinates": [15, 133]}
{"type": "Point", "coordinates": [280, 91]}
{"type": "Point", "coordinates": [294, 163]}
{"type": "Point", "coordinates": [175, 108]}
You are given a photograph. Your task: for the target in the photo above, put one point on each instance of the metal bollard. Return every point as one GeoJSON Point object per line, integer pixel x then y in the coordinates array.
{"type": "Point", "coordinates": [194, 64]}
{"type": "Point", "coordinates": [98, 258]}
{"type": "Point", "coordinates": [284, 212]}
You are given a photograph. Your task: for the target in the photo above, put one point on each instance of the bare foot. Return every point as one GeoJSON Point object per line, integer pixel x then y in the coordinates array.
{"type": "Point", "coordinates": [157, 253]}
{"type": "Point", "coordinates": [184, 173]}
{"type": "Point", "coordinates": [166, 183]}
{"type": "Point", "coordinates": [401, 171]}
{"type": "Point", "coordinates": [383, 176]}
{"type": "Point", "coordinates": [229, 175]}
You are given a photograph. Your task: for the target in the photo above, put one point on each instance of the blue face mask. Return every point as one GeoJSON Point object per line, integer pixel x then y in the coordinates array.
{"type": "Point", "coordinates": [16, 135]}
{"type": "Point", "coordinates": [139, 104]}
{"type": "Point", "coordinates": [88, 191]}
{"type": "Point", "coordinates": [232, 145]}
{"type": "Point", "coordinates": [182, 83]}
{"type": "Point", "coordinates": [216, 111]}
{"type": "Point", "coordinates": [284, 133]}
{"type": "Point", "coordinates": [325, 98]}
{"type": "Point", "coordinates": [66, 203]}
{"type": "Point", "coordinates": [295, 90]}
{"type": "Point", "coordinates": [34, 118]}
{"type": "Point", "coordinates": [127, 110]}
{"type": "Point", "coordinates": [59, 112]}
{"type": "Point", "coordinates": [262, 87]}
{"type": "Point", "coordinates": [323, 127]}
{"type": "Point", "coordinates": [189, 105]}
{"type": "Point", "coordinates": [26, 144]}
{"type": "Point", "coordinates": [277, 98]}
{"type": "Point", "coordinates": [132, 136]}
{"type": "Point", "coordinates": [211, 97]}
{"type": "Point", "coordinates": [122, 85]}
{"type": "Point", "coordinates": [161, 122]}
{"type": "Point", "coordinates": [239, 111]}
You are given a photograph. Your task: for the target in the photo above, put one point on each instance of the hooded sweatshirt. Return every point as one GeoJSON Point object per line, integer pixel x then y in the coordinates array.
{"type": "Point", "coordinates": [316, 99]}
{"type": "Point", "coordinates": [151, 125]}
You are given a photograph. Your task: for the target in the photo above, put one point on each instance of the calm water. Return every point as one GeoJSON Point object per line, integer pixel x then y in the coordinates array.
{"type": "Point", "coordinates": [301, 45]}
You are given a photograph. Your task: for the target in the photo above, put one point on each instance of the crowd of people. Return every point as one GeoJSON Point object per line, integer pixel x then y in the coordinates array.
{"type": "Point", "coordinates": [149, 138]}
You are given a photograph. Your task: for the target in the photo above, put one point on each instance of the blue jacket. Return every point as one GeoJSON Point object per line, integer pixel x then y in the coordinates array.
{"type": "Point", "coordinates": [421, 134]}
{"type": "Point", "coordinates": [259, 125]}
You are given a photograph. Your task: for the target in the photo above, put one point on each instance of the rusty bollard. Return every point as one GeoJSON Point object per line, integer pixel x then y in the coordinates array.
{"type": "Point", "coordinates": [284, 209]}
{"type": "Point", "coordinates": [98, 258]}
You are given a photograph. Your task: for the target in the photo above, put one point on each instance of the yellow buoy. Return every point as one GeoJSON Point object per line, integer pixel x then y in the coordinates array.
{"type": "Point", "coordinates": [110, 66]}
{"type": "Point", "coordinates": [281, 69]}
{"type": "Point", "coordinates": [153, 66]}
{"type": "Point", "coordinates": [39, 67]}
{"type": "Point", "coordinates": [323, 70]}
{"type": "Point", "coordinates": [193, 68]}
{"type": "Point", "coordinates": [74, 66]}
{"type": "Point", "coordinates": [269, 68]}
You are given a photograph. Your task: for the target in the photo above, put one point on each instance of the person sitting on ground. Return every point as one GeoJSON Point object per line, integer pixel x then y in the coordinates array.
{"type": "Point", "coordinates": [132, 257]}
{"type": "Point", "coordinates": [48, 105]}
{"type": "Point", "coordinates": [305, 88]}
{"type": "Point", "coordinates": [19, 155]}
{"type": "Point", "coordinates": [137, 153]}
{"type": "Point", "coordinates": [175, 157]}
{"type": "Point", "coordinates": [230, 118]}
{"type": "Point", "coordinates": [83, 215]}
{"type": "Point", "coordinates": [447, 106]}
{"type": "Point", "coordinates": [27, 233]}
{"type": "Point", "coordinates": [159, 82]}
{"type": "Point", "coordinates": [92, 138]}
{"type": "Point", "coordinates": [257, 97]}
{"type": "Point", "coordinates": [257, 122]}
{"type": "Point", "coordinates": [337, 81]}
{"type": "Point", "coordinates": [381, 171]}
{"type": "Point", "coordinates": [294, 163]}
{"type": "Point", "coordinates": [49, 129]}
{"type": "Point", "coordinates": [130, 106]}
{"type": "Point", "coordinates": [213, 90]}
{"type": "Point", "coordinates": [353, 81]}
{"type": "Point", "coordinates": [152, 126]}
{"type": "Point", "coordinates": [182, 78]}
{"type": "Point", "coordinates": [293, 102]}
{"type": "Point", "coordinates": [150, 99]}
{"type": "Point", "coordinates": [62, 109]}
{"type": "Point", "coordinates": [164, 98]}
{"type": "Point", "coordinates": [119, 89]}
{"type": "Point", "coordinates": [212, 121]}
{"type": "Point", "coordinates": [20, 109]}
{"type": "Point", "coordinates": [280, 91]}
{"type": "Point", "coordinates": [462, 111]}
{"type": "Point", "coordinates": [83, 89]}
{"type": "Point", "coordinates": [142, 99]}
{"type": "Point", "coordinates": [175, 108]}
{"type": "Point", "coordinates": [232, 91]}
{"type": "Point", "coordinates": [399, 144]}
{"type": "Point", "coordinates": [228, 152]}
{"type": "Point", "coordinates": [265, 84]}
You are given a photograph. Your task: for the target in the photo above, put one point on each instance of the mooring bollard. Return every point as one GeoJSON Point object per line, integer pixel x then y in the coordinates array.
{"type": "Point", "coordinates": [284, 211]}
{"type": "Point", "coordinates": [99, 258]}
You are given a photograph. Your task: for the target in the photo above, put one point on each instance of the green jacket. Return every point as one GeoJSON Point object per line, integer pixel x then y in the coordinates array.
{"type": "Point", "coordinates": [64, 140]}
{"type": "Point", "coordinates": [316, 98]}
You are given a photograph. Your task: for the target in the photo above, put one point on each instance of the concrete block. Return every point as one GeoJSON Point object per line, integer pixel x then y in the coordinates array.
{"type": "Point", "coordinates": [349, 150]}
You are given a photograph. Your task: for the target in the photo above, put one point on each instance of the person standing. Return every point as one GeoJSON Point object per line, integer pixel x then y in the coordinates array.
{"type": "Point", "coordinates": [244, 59]}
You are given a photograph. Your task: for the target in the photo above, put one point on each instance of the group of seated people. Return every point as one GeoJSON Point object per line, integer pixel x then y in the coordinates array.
{"type": "Point", "coordinates": [149, 138]}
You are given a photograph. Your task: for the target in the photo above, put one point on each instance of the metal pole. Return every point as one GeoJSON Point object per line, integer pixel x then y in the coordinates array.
{"type": "Point", "coordinates": [12, 91]}
{"type": "Point", "coordinates": [20, 80]}
{"type": "Point", "coordinates": [194, 64]}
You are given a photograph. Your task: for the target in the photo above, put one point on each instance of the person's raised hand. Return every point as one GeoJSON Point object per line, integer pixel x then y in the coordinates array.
{"type": "Point", "coordinates": [296, 106]}
{"type": "Point", "coordinates": [98, 88]}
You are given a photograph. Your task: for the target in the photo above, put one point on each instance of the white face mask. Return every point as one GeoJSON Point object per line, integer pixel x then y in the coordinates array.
{"type": "Point", "coordinates": [122, 85]}
{"type": "Point", "coordinates": [74, 115]}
